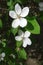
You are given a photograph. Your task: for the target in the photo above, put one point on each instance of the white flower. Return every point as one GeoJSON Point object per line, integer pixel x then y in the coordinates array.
{"type": "Point", "coordinates": [18, 16]}
{"type": "Point", "coordinates": [24, 37]}
{"type": "Point", "coordinates": [2, 55]}
{"type": "Point", "coordinates": [41, 6]}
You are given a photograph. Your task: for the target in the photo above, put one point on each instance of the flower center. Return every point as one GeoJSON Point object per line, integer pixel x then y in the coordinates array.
{"type": "Point", "coordinates": [19, 16]}
{"type": "Point", "coordinates": [23, 37]}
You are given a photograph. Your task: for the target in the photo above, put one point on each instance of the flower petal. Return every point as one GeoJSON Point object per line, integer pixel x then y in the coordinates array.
{"type": "Point", "coordinates": [3, 54]}
{"type": "Point", "coordinates": [26, 42]}
{"type": "Point", "coordinates": [27, 34]}
{"type": "Point", "coordinates": [12, 14]}
{"type": "Point", "coordinates": [17, 8]}
{"type": "Point", "coordinates": [41, 8]}
{"type": "Point", "coordinates": [29, 41]}
{"type": "Point", "coordinates": [2, 58]}
{"type": "Point", "coordinates": [24, 12]}
{"type": "Point", "coordinates": [15, 23]}
{"type": "Point", "coordinates": [18, 38]}
{"type": "Point", "coordinates": [40, 4]}
{"type": "Point", "coordinates": [23, 22]}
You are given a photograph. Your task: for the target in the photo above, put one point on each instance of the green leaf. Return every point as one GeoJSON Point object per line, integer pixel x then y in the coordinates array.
{"type": "Point", "coordinates": [18, 43]}
{"type": "Point", "coordinates": [22, 54]}
{"type": "Point", "coordinates": [8, 33]}
{"type": "Point", "coordinates": [10, 4]}
{"type": "Point", "coordinates": [41, 18]}
{"type": "Point", "coordinates": [23, 1]}
{"type": "Point", "coordinates": [14, 31]}
{"type": "Point", "coordinates": [18, 1]}
{"type": "Point", "coordinates": [33, 26]}
{"type": "Point", "coordinates": [11, 7]}
{"type": "Point", "coordinates": [0, 23]}
{"type": "Point", "coordinates": [4, 44]}
{"type": "Point", "coordinates": [11, 63]}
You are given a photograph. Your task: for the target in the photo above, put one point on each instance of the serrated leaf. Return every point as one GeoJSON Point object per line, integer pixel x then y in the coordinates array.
{"type": "Point", "coordinates": [33, 26]}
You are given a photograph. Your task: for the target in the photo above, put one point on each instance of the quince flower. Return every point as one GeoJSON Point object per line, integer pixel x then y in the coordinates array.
{"type": "Point", "coordinates": [18, 16]}
{"type": "Point", "coordinates": [2, 55]}
{"type": "Point", "coordinates": [24, 37]}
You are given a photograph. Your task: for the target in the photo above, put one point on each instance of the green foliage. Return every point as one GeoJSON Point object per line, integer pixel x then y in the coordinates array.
{"type": "Point", "coordinates": [8, 51]}
{"type": "Point", "coordinates": [18, 1]}
{"type": "Point", "coordinates": [41, 16]}
{"type": "Point", "coordinates": [3, 42]}
{"type": "Point", "coordinates": [11, 63]}
{"type": "Point", "coordinates": [0, 23]}
{"type": "Point", "coordinates": [8, 33]}
{"type": "Point", "coordinates": [18, 43]}
{"type": "Point", "coordinates": [14, 31]}
{"type": "Point", "coordinates": [23, 1]}
{"type": "Point", "coordinates": [10, 4]}
{"type": "Point", "coordinates": [22, 54]}
{"type": "Point", "coordinates": [33, 26]}
{"type": "Point", "coordinates": [37, 1]}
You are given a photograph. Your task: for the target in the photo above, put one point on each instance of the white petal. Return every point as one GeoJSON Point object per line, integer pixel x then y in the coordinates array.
{"type": "Point", "coordinates": [24, 12]}
{"type": "Point", "coordinates": [12, 14]}
{"type": "Point", "coordinates": [41, 4]}
{"type": "Point", "coordinates": [15, 23]}
{"type": "Point", "coordinates": [3, 54]}
{"type": "Point", "coordinates": [41, 8]}
{"type": "Point", "coordinates": [26, 42]}
{"type": "Point", "coordinates": [2, 59]}
{"type": "Point", "coordinates": [23, 22]}
{"type": "Point", "coordinates": [18, 38]}
{"type": "Point", "coordinates": [24, 45]}
{"type": "Point", "coordinates": [27, 34]}
{"type": "Point", "coordinates": [18, 9]}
